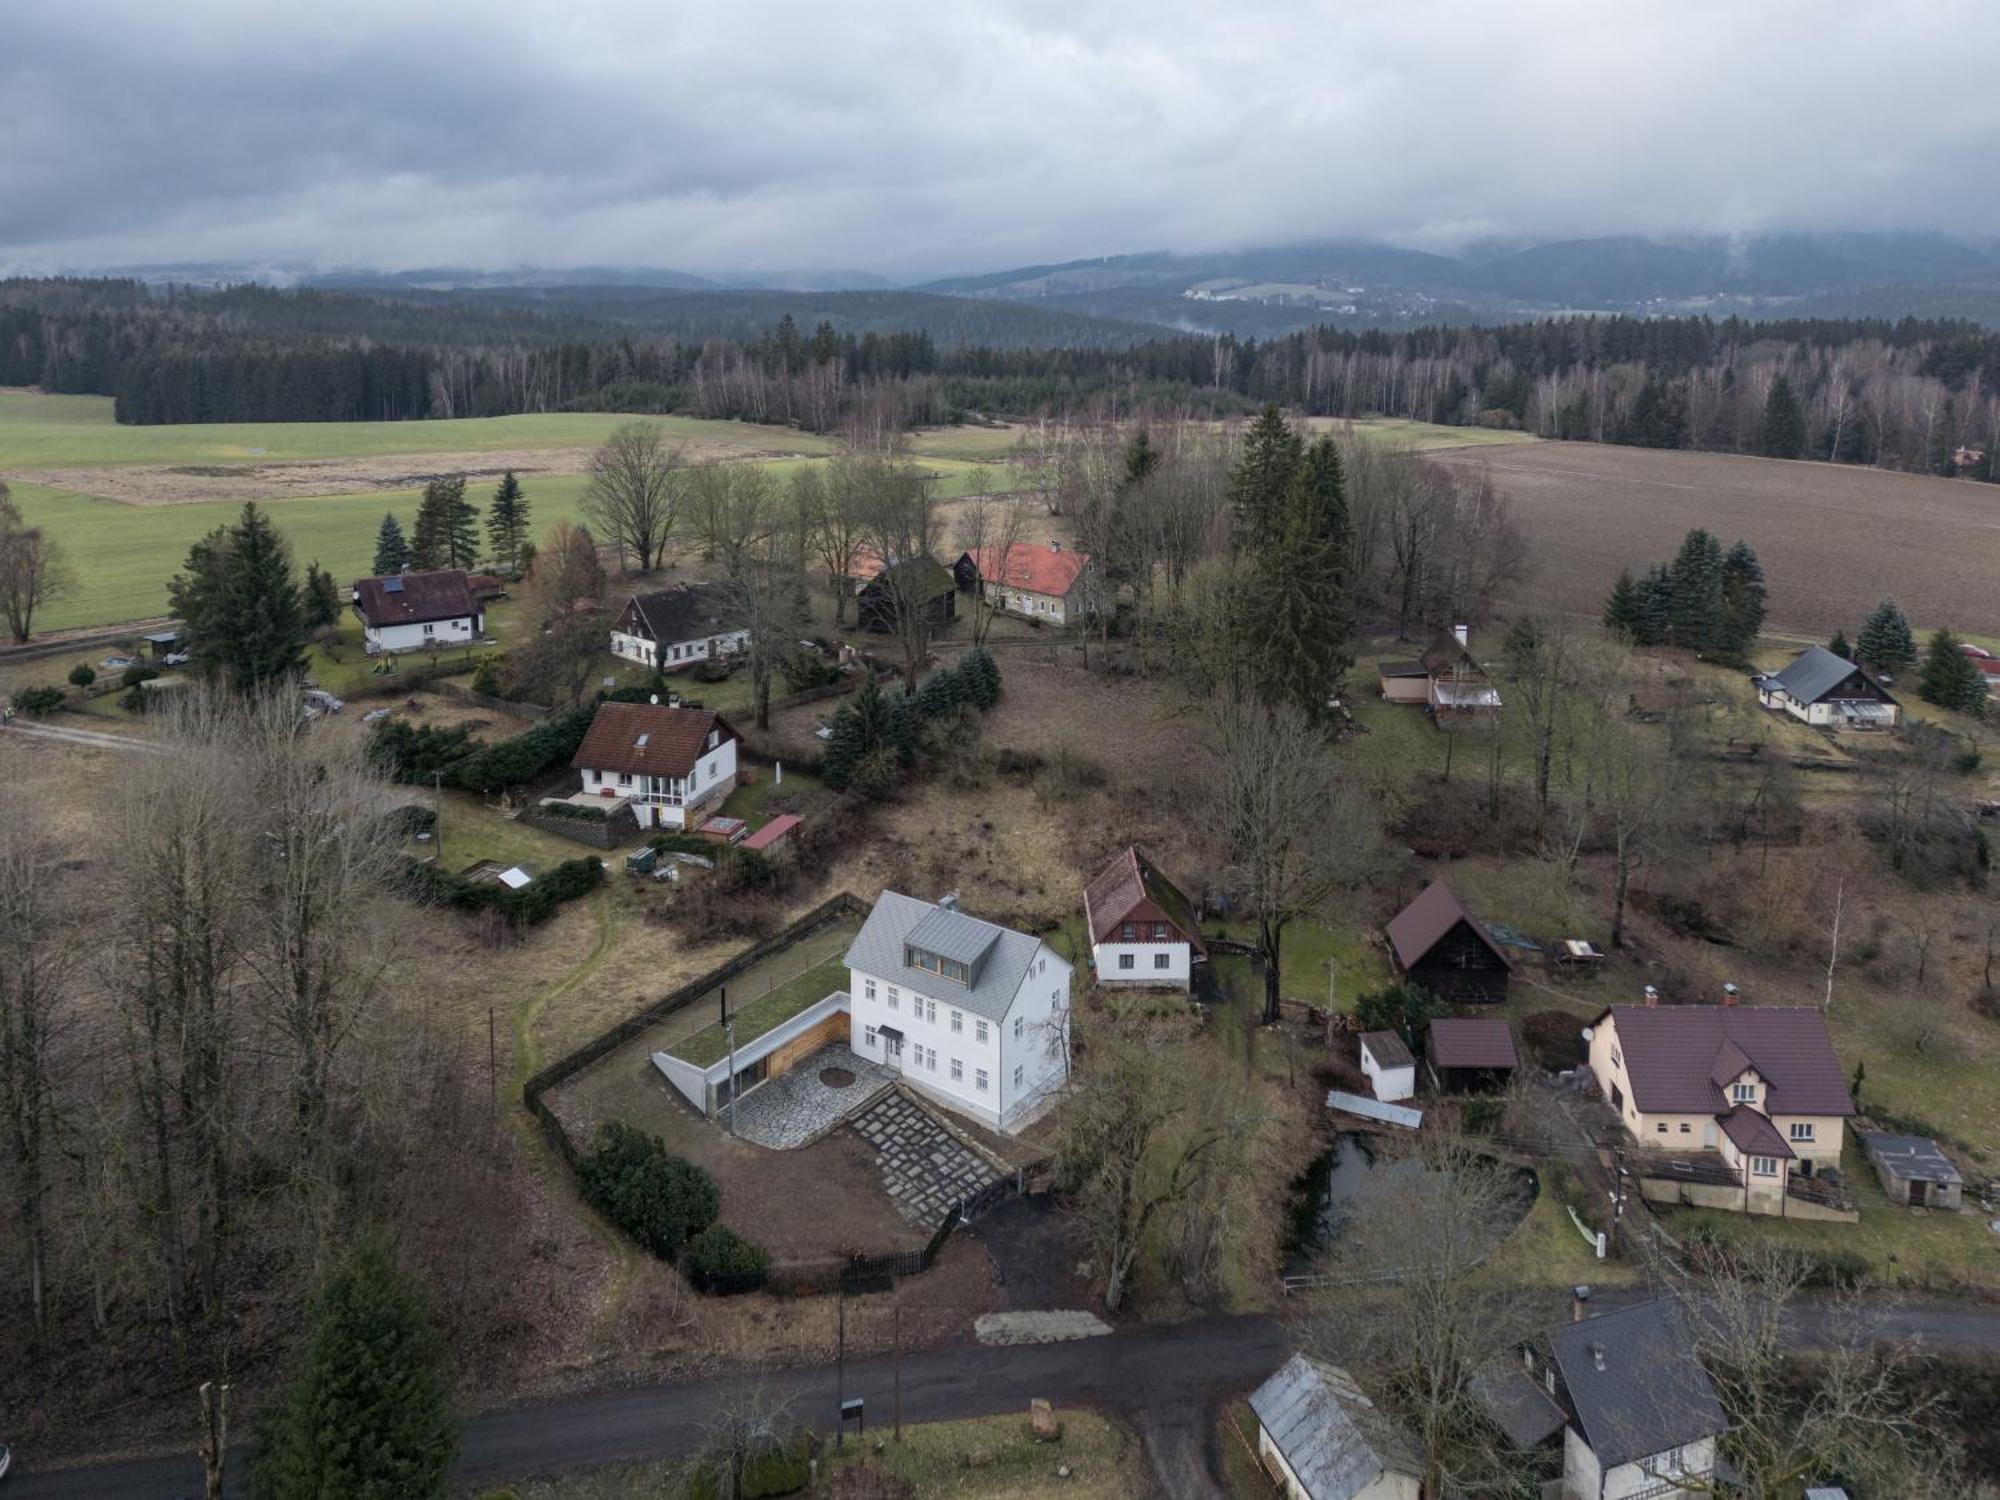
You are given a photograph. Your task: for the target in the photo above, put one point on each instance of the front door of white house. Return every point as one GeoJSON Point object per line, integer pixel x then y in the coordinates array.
{"type": "Point", "coordinates": [892, 1046]}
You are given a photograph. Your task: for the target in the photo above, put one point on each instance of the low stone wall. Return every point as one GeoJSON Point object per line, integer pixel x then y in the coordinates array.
{"type": "Point", "coordinates": [598, 833]}
{"type": "Point", "coordinates": [1728, 1197]}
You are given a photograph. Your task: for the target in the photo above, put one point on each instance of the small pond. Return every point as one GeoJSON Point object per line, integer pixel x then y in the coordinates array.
{"type": "Point", "coordinates": [1323, 1193]}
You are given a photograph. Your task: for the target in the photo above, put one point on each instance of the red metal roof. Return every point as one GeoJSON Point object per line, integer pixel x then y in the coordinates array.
{"type": "Point", "coordinates": [1421, 925]}
{"type": "Point", "coordinates": [1131, 889]}
{"type": "Point", "coordinates": [1673, 1054]}
{"type": "Point", "coordinates": [772, 831]}
{"type": "Point", "coordinates": [1031, 566]}
{"type": "Point", "coordinates": [1473, 1042]}
{"type": "Point", "coordinates": [647, 739]}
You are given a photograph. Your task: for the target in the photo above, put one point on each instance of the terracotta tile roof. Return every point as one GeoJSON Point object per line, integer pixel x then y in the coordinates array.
{"type": "Point", "coordinates": [1032, 566]}
{"type": "Point", "coordinates": [1475, 1042]}
{"type": "Point", "coordinates": [1674, 1052]}
{"type": "Point", "coordinates": [1753, 1134]}
{"type": "Point", "coordinates": [1419, 927]}
{"type": "Point", "coordinates": [1132, 889]}
{"type": "Point", "coordinates": [647, 739]}
{"type": "Point", "coordinates": [412, 598]}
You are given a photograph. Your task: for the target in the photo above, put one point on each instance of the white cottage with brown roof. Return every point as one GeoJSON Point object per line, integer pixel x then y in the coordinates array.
{"type": "Point", "coordinates": [418, 611]}
{"type": "Point", "coordinates": [673, 765]}
{"type": "Point", "coordinates": [1142, 929]}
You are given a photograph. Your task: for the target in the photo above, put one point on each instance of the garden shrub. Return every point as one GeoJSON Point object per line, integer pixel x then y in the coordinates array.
{"type": "Point", "coordinates": [38, 701]}
{"type": "Point", "coordinates": [489, 679]}
{"type": "Point", "coordinates": [83, 674]}
{"type": "Point", "coordinates": [528, 907]}
{"type": "Point", "coordinates": [523, 757]}
{"type": "Point", "coordinates": [657, 1198]}
{"type": "Point", "coordinates": [721, 1261]}
{"type": "Point", "coordinates": [1405, 1009]}
{"type": "Point", "coordinates": [780, 1469]}
{"type": "Point", "coordinates": [710, 669]}
{"type": "Point", "coordinates": [580, 812]}
{"type": "Point", "coordinates": [1555, 1037]}
{"type": "Point", "coordinates": [1480, 1114]}
{"type": "Point", "coordinates": [137, 673]}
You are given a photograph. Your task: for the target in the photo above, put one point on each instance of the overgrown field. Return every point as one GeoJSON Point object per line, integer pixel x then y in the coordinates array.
{"type": "Point", "coordinates": [1833, 539]}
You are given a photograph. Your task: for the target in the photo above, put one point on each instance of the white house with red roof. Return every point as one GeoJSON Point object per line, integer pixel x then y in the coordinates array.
{"type": "Point", "coordinates": [1142, 929]}
{"type": "Point", "coordinates": [1052, 583]}
{"type": "Point", "coordinates": [674, 765]}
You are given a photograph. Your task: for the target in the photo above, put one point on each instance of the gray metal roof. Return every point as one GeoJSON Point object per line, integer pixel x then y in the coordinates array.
{"type": "Point", "coordinates": [1910, 1157]}
{"type": "Point", "coordinates": [1635, 1384]}
{"type": "Point", "coordinates": [1815, 673]}
{"type": "Point", "coordinates": [879, 949]}
{"type": "Point", "coordinates": [1336, 1440]}
{"type": "Point", "coordinates": [954, 935]}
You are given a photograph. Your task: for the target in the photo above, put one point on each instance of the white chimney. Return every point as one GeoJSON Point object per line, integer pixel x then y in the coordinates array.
{"type": "Point", "coordinates": [1652, 997]}
{"type": "Point", "coordinates": [1462, 634]}
{"type": "Point", "coordinates": [655, 700]}
{"type": "Point", "coordinates": [948, 901]}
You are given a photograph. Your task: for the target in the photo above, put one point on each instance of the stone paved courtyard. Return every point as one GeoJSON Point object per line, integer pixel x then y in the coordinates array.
{"type": "Point", "coordinates": [799, 1105]}
{"type": "Point", "coordinates": [925, 1168]}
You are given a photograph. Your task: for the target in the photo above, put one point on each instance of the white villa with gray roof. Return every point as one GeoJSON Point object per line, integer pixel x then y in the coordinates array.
{"type": "Point", "coordinates": [974, 1015]}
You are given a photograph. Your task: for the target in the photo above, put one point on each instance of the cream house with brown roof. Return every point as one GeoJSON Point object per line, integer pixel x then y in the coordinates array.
{"type": "Point", "coordinates": [1758, 1086]}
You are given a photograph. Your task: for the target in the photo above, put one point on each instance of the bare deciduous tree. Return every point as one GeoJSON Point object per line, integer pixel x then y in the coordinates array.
{"type": "Point", "coordinates": [900, 528]}
{"type": "Point", "coordinates": [33, 569]}
{"type": "Point", "coordinates": [638, 482]}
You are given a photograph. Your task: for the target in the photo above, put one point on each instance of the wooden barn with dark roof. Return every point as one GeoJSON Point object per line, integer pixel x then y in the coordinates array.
{"type": "Point", "coordinates": [1442, 947]}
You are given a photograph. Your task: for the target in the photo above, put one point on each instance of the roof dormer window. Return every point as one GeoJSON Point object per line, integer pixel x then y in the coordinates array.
{"type": "Point", "coordinates": [933, 963]}
{"type": "Point", "coordinates": [1743, 1093]}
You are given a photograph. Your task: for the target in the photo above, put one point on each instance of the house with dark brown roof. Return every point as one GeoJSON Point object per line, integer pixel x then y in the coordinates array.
{"type": "Point", "coordinates": [1142, 929]}
{"type": "Point", "coordinates": [1758, 1086]}
{"type": "Point", "coordinates": [672, 629]}
{"type": "Point", "coordinates": [674, 766]}
{"type": "Point", "coordinates": [1467, 1053]}
{"type": "Point", "coordinates": [1037, 582]}
{"type": "Point", "coordinates": [1458, 689]}
{"type": "Point", "coordinates": [418, 611]}
{"type": "Point", "coordinates": [1441, 946]}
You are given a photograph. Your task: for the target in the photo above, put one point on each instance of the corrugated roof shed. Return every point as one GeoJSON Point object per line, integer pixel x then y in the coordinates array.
{"type": "Point", "coordinates": [1910, 1157]}
{"type": "Point", "coordinates": [881, 945]}
{"type": "Point", "coordinates": [1635, 1384]}
{"type": "Point", "coordinates": [1335, 1439]}
{"type": "Point", "coordinates": [772, 831]}
{"type": "Point", "coordinates": [1418, 927]}
{"type": "Point", "coordinates": [1674, 1052]}
{"type": "Point", "coordinates": [1471, 1042]}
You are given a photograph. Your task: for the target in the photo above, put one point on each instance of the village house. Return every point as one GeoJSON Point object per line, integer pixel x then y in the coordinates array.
{"type": "Point", "coordinates": [1824, 689]}
{"type": "Point", "coordinates": [1052, 583]}
{"type": "Point", "coordinates": [1142, 929]}
{"type": "Point", "coordinates": [417, 611]}
{"type": "Point", "coordinates": [973, 1015]}
{"type": "Point", "coordinates": [1914, 1171]}
{"type": "Point", "coordinates": [1466, 1054]}
{"type": "Point", "coordinates": [1456, 686]}
{"type": "Point", "coordinates": [1389, 1067]}
{"type": "Point", "coordinates": [920, 583]}
{"type": "Point", "coordinates": [1643, 1414]}
{"type": "Point", "coordinates": [1441, 946]}
{"type": "Point", "coordinates": [1756, 1088]}
{"type": "Point", "coordinates": [672, 629]}
{"type": "Point", "coordinates": [672, 765]}
{"type": "Point", "coordinates": [1319, 1437]}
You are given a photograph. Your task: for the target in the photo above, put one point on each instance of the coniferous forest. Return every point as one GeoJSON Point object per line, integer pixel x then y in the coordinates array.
{"type": "Point", "coordinates": [1914, 395]}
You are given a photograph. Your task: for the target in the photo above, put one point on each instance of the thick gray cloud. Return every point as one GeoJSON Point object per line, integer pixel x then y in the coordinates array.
{"type": "Point", "coordinates": [915, 137]}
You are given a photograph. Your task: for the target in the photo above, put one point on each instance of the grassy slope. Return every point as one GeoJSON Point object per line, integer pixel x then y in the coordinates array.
{"type": "Point", "coordinates": [760, 1015]}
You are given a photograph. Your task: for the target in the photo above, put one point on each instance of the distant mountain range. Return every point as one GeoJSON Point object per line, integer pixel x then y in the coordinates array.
{"type": "Point", "coordinates": [1261, 291]}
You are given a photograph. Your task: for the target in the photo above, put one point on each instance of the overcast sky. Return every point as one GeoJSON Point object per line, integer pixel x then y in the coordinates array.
{"type": "Point", "coordinates": [915, 137]}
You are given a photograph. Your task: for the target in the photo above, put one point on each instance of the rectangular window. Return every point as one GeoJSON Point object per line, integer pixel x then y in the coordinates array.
{"type": "Point", "coordinates": [1661, 1127]}
{"type": "Point", "coordinates": [1743, 1093]}
{"type": "Point", "coordinates": [1616, 1060]}
{"type": "Point", "coordinates": [1126, 933]}
{"type": "Point", "coordinates": [1159, 932]}
{"type": "Point", "coordinates": [1802, 1130]}
{"type": "Point", "coordinates": [930, 1011]}
{"type": "Point", "coordinates": [1684, 1127]}
{"type": "Point", "coordinates": [1017, 1028]}
{"type": "Point", "coordinates": [624, 778]}
{"type": "Point", "coordinates": [430, 630]}
{"type": "Point", "coordinates": [868, 989]}
{"type": "Point", "coordinates": [1162, 960]}
{"type": "Point", "coordinates": [957, 1070]}
{"type": "Point", "coordinates": [1126, 960]}
{"type": "Point", "coordinates": [957, 1022]}
{"type": "Point", "coordinates": [979, 1080]}
{"type": "Point", "coordinates": [1764, 1166]}
{"type": "Point", "coordinates": [894, 1004]}
{"type": "Point", "coordinates": [1017, 1075]}
{"type": "Point", "coordinates": [979, 1030]}
{"type": "Point", "coordinates": [868, 1037]}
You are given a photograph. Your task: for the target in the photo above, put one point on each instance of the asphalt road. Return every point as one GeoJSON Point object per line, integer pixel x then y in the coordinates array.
{"type": "Point", "coordinates": [1166, 1381]}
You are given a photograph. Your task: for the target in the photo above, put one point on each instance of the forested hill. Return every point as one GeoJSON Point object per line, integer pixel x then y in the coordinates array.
{"type": "Point", "coordinates": [1922, 396]}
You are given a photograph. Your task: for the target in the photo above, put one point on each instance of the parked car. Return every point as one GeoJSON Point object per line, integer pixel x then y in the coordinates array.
{"type": "Point", "coordinates": [320, 701]}
{"type": "Point", "coordinates": [374, 714]}
{"type": "Point", "coordinates": [177, 658]}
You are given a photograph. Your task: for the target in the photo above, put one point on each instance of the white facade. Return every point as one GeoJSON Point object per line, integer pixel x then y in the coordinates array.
{"type": "Point", "coordinates": [461, 630]}
{"type": "Point", "coordinates": [1057, 609]}
{"type": "Point", "coordinates": [1392, 1082]}
{"type": "Point", "coordinates": [1165, 964]}
{"type": "Point", "coordinates": [1384, 1486]}
{"type": "Point", "coordinates": [1585, 1479]}
{"type": "Point", "coordinates": [998, 1071]}
{"type": "Point", "coordinates": [679, 654]}
{"type": "Point", "coordinates": [666, 801]}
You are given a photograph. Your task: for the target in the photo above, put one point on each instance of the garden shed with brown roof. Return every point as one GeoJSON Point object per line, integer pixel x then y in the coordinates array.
{"type": "Point", "coordinates": [1440, 946]}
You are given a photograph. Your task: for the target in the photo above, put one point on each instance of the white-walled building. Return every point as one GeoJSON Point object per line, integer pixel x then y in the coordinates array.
{"type": "Point", "coordinates": [973, 1015]}
{"type": "Point", "coordinates": [1822, 688]}
{"type": "Point", "coordinates": [1052, 583]}
{"type": "Point", "coordinates": [418, 611]}
{"type": "Point", "coordinates": [1142, 929]}
{"type": "Point", "coordinates": [677, 627]}
{"type": "Point", "coordinates": [1319, 1437]}
{"type": "Point", "coordinates": [1644, 1414]}
{"type": "Point", "coordinates": [1389, 1065]}
{"type": "Point", "coordinates": [674, 765]}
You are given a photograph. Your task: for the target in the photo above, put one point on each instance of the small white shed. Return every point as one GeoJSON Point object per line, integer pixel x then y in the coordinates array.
{"type": "Point", "coordinates": [1390, 1068]}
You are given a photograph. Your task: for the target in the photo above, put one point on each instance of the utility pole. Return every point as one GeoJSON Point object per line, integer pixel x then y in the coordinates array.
{"type": "Point", "coordinates": [729, 1035]}
{"type": "Point", "coordinates": [840, 1376]}
{"type": "Point", "coordinates": [898, 1362]}
{"type": "Point", "coordinates": [1833, 948]}
{"type": "Point", "coordinates": [214, 1435]}
{"type": "Point", "coordinates": [437, 813]}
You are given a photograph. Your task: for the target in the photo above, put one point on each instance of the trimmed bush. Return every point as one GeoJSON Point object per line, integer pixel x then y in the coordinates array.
{"type": "Point", "coordinates": [656, 1197]}
{"type": "Point", "coordinates": [528, 907]}
{"type": "Point", "coordinates": [137, 673]}
{"type": "Point", "coordinates": [38, 701]}
{"type": "Point", "coordinates": [83, 674]}
{"type": "Point", "coordinates": [721, 1261]}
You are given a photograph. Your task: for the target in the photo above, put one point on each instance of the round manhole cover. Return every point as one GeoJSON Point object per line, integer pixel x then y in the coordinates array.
{"type": "Point", "coordinates": [836, 1078]}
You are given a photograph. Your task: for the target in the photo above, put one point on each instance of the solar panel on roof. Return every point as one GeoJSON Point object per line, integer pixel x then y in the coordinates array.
{"type": "Point", "coordinates": [641, 742]}
{"type": "Point", "coordinates": [392, 585]}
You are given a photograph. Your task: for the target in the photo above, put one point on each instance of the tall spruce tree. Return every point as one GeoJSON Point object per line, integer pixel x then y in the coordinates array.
{"type": "Point", "coordinates": [1263, 477]}
{"type": "Point", "coordinates": [1621, 606]}
{"type": "Point", "coordinates": [367, 1414]}
{"type": "Point", "coordinates": [1886, 643]}
{"type": "Point", "coordinates": [1742, 604]}
{"type": "Point", "coordinates": [1696, 572]}
{"type": "Point", "coordinates": [246, 622]}
{"type": "Point", "coordinates": [392, 551]}
{"type": "Point", "coordinates": [1784, 430]}
{"type": "Point", "coordinates": [447, 527]}
{"type": "Point", "coordinates": [320, 599]}
{"type": "Point", "coordinates": [1655, 607]}
{"type": "Point", "coordinates": [1950, 679]}
{"type": "Point", "coordinates": [507, 524]}
{"type": "Point", "coordinates": [1298, 616]}
{"type": "Point", "coordinates": [1839, 645]}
